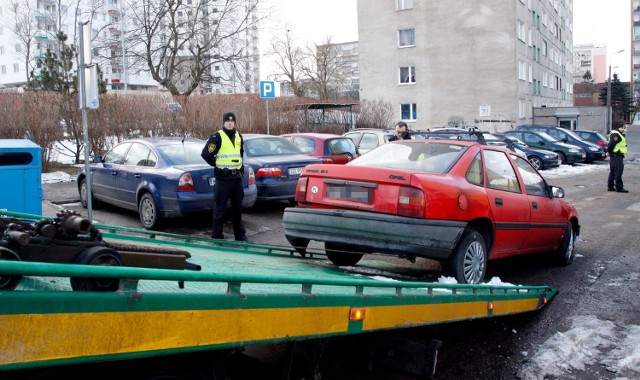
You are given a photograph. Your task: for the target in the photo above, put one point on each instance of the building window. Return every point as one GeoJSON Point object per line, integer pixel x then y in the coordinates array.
{"type": "Point", "coordinates": [544, 48]}
{"type": "Point", "coordinates": [406, 37]}
{"type": "Point", "coordinates": [522, 108]}
{"type": "Point", "coordinates": [16, 67]}
{"type": "Point", "coordinates": [522, 31]}
{"type": "Point", "coordinates": [2, 50]}
{"type": "Point", "coordinates": [408, 74]}
{"type": "Point", "coordinates": [522, 70]}
{"type": "Point", "coordinates": [408, 112]}
{"type": "Point", "coordinates": [18, 48]}
{"type": "Point", "coordinates": [404, 4]}
{"type": "Point", "coordinates": [3, 69]}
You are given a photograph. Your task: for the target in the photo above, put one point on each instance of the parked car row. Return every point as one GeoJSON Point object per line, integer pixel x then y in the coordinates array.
{"type": "Point", "coordinates": [166, 177]}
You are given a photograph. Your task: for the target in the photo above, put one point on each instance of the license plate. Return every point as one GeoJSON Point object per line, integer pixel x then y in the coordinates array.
{"type": "Point", "coordinates": [352, 193]}
{"type": "Point", "coordinates": [295, 171]}
{"type": "Point", "coordinates": [212, 180]}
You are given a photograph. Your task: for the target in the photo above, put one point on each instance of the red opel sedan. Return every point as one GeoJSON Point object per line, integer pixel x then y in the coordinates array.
{"type": "Point", "coordinates": [330, 148]}
{"type": "Point", "coordinates": [457, 202]}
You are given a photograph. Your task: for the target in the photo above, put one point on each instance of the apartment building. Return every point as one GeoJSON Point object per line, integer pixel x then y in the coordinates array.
{"type": "Point", "coordinates": [592, 58]}
{"type": "Point", "coordinates": [117, 52]}
{"type": "Point", "coordinates": [635, 49]}
{"type": "Point", "coordinates": [488, 62]}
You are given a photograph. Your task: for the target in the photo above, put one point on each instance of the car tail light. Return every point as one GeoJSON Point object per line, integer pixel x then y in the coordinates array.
{"type": "Point", "coordinates": [269, 172]}
{"type": "Point", "coordinates": [252, 177]}
{"type": "Point", "coordinates": [411, 202]}
{"type": "Point", "coordinates": [301, 189]}
{"type": "Point", "coordinates": [326, 160]}
{"type": "Point", "coordinates": [602, 143]}
{"type": "Point", "coordinates": [185, 183]}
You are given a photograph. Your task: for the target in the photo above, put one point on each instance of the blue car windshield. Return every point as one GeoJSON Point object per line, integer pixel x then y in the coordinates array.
{"type": "Point", "coordinates": [187, 153]}
{"type": "Point", "coordinates": [420, 156]}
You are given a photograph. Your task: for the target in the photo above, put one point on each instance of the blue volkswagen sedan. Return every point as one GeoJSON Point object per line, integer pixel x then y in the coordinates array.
{"type": "Point", "coordinates": [277, 164]}
{"type": "Point", "coordinates": [160, 178]}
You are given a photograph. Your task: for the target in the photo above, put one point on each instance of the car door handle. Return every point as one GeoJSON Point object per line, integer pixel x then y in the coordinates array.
{"type": "Point", "coordinates": [499, 202]}
{"type": "Point", "coordinates": [534, 205]}
{"type": "Point", "coordinates": [114, 172]}
{"type": "Point", "coordinates": [137, 175]}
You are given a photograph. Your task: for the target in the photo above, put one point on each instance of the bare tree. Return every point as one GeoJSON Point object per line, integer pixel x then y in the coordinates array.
{"type": "Point", "coordinates": [323, 69]}
{"type": "Point", "coordinates": [289, 60]}
{"type": "Point", "coordinates": [25, 28]}
{"type": "Point", "coordinates": [179, 41]}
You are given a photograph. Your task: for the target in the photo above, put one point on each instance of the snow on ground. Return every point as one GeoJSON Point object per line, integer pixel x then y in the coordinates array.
{"type": "Point", "coordinates": [588, 342]}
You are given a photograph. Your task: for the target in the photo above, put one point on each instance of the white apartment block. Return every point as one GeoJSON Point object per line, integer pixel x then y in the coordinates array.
{"type": "Point", "coordinates": [488, 62]}
{"type": "Point", "coordinates": [592, 58]}
{"type": "Point", "coordinates": [111, 23]}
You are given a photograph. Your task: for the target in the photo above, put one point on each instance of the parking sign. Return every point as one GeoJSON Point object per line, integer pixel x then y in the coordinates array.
{"type": "Point", "coordinates": [267, 89]}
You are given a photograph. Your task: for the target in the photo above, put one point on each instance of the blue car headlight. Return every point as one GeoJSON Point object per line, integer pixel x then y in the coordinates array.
{"type": "Point", "coordinates": [574, 150]}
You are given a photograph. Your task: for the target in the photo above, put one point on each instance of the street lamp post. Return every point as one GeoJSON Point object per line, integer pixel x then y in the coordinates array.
{"type": "Point", "coordinates": [609, 108]}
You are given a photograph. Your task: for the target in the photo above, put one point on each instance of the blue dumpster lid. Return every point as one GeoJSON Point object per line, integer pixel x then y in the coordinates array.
{"type": "Point", "coordinates": [17, 143]}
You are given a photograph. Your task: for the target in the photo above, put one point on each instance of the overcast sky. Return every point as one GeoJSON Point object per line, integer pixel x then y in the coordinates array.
{"type": "Point", "coordinates": [601, 22]}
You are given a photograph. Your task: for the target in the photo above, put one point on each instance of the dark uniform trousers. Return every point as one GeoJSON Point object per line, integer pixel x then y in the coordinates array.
{"type": "Point", "coordinates": [616, 167]}
{"type": "Point", "coordinates": [228, 188]}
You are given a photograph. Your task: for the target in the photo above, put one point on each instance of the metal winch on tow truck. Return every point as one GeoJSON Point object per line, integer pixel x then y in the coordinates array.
{"type": "Point", "coordinates": [245, 296]}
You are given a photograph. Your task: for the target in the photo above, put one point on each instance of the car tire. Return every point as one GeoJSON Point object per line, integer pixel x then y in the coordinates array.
{"type": "Point", "coordinates": [149, 213]}
{"type": "Point", "coordinates": [563, 157]}
{"type": "Point", "coordinates": [536, 162]}
{"type": "Point", "coordinates": [468, 262]}
{"type": "Point", "coordinates": [299, 244]}
{"type": "Point", "coordinates": [97, 256]}
{"type": "Point", "coordinates": [342, 254]}
{"type": "Point", "coordinates": [9, 282]}
{"type": "Point", "coordinates": [83, 195]}
{"type": "Point", "coordinates": [565, 253]}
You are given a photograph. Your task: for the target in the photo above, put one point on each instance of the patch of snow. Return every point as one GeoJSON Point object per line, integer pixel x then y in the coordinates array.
{"type": "Point", "coordinates": [57, 177]}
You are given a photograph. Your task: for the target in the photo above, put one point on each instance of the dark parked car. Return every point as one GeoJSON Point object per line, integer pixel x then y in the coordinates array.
{"type": "Point", "coordinates": [539, 158]}
{"type": "Point", "coordinates": [330, 148]}
{"type": "Point", "coordinates": [159, 178]}
{"type": "Point", "coordinates": [593, 137]}
{"type": "Point", "coordinates": [277, 165]}
{"type": "Point", "coordinates": [569, 154]}
{"type": "Point", "coordinates": [458, 202]}
{"type": "Point", "coordinates": [594, 152]}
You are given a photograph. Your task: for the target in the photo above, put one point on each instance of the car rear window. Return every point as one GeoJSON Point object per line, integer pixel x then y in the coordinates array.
{"type": "Point", "coordinates": [340, 146]}
{"type": "Point", "coordinates": [425, 157]}
{"type": "Point", "coordinates": [260, 147]}
{"type": "Point", "coordinates": [182, 154]}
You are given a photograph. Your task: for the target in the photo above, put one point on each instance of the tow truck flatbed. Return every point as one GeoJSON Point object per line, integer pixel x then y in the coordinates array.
{"type": "Point", "coordinates": [245, 294]}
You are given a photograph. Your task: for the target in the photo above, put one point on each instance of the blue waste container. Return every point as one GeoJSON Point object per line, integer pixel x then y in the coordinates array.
{"type": "Point", "coordinates": [21, 173]}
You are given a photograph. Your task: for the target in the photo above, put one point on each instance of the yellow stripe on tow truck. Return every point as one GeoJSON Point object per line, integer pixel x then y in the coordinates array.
{"type": "Point", "coordinates": [396, 316]}
{"type": "Point", "coordinates": [41, 337]}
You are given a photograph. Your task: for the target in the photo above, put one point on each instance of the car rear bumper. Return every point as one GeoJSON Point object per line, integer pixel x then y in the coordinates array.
{"type": "Point", "coordinates": [391, 234]}
{"type": "Point", "coordinates": [277, 190]}
{"type": "Point", "coordinates": [189, 203]}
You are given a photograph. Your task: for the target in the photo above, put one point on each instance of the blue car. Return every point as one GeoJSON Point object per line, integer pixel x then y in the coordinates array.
{"type": "Point", "coordinates": [594, 152]}
{"type": "Point", "coordinates": [277, 164]}
{"type": "Point", "coordinates": [160, 178]}
{"type": "Point", "coordinates": [539, 158]}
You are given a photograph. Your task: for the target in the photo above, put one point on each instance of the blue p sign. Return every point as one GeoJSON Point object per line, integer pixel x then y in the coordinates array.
{"type": "Point", "coordinates": [267, 89]}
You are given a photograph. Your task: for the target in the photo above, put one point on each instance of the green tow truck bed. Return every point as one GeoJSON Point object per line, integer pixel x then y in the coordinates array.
{"type": "Point", "coordinates": [245, 294]}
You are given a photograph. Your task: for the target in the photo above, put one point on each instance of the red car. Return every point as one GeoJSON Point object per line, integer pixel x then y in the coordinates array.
{"type": "Point", "coordinates": [330, 148]}
{"type": "Point", "coordinates": [457, 202]}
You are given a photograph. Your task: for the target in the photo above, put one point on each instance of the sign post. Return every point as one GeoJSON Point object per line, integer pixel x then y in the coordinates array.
{"type": "Point", "coordinates": [267, 91]}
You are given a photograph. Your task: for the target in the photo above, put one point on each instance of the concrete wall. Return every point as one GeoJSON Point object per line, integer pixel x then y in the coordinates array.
{"type": "Point", "coordinates": [590, 118]}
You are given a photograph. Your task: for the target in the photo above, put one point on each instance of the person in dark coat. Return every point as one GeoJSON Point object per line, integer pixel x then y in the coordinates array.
{"type": "Point", "coordinates": [224, 151]}
{"type": "Point", "coordinates": [616, 150]}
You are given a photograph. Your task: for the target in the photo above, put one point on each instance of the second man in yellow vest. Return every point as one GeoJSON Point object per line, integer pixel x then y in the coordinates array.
{"type": "Point", "coordinates": [616, 150]}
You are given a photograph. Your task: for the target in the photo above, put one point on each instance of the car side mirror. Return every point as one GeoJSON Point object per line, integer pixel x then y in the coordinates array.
{"type": "Point", "coordinates": [97, 159]}
{"type": "Point", "coordinates": [564, 140]}
{"type": "Point", "coordinates": [541, 143]}
{"type": "Point", "coordinates": [556, 192]}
